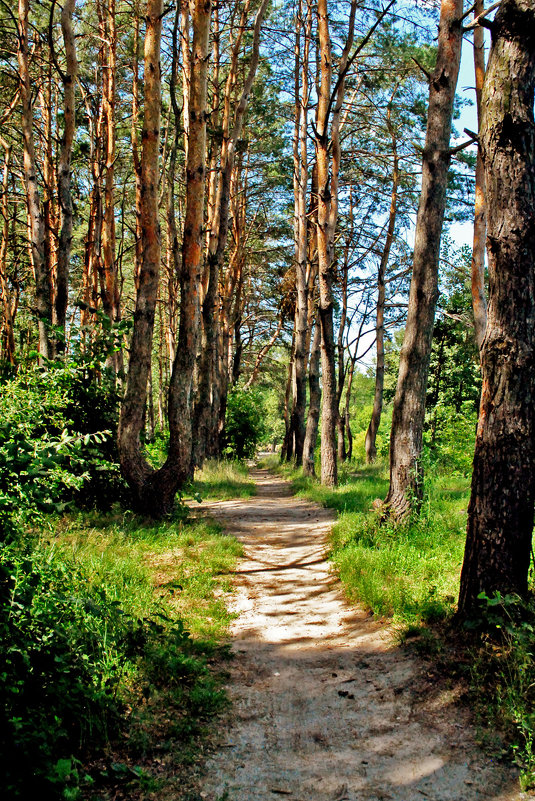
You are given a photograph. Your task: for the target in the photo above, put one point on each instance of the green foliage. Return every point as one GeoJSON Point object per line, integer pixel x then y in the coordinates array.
{"type": "Point", "coordinates": [85, 636]}
{"type": "Point", "coordinates": [244, 423]}
{"type": "Point", "coordinates": [57, 439]}
{"type": "Point", "coordinates": [503, 674]}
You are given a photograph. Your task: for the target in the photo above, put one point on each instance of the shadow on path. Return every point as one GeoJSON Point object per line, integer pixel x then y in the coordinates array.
{"type": "Point", "coordinates": [324, 707]}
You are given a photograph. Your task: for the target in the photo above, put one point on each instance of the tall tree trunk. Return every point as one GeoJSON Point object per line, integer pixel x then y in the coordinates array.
{"type": "Point", "coordinates": [500, 514]}
{"type": "Point", "coordinates": [300, 158]}
{"type": "Point", "coordinates": [135, 468]}
{"type": "Point", "coordinates": [64, 166]}
{"type": "Point", "coordinates": [329, 474]}
{"type": "Point", "coordinates": [180, 387]}
{"type": "Point", "coordinates": [314, 404]}
{"type": "Point", "coordinates": [43, 306]}
{"type": "Point", "coordinates": [371, 433]}
{"type": "Point", "coordinates": [8, 334]}
{"type": "Point", "coordinates": [207, 411]}
{"type": "Point", "coordinates": [409, 401]}
{"type": "Point", "coordinates": [479, 302]}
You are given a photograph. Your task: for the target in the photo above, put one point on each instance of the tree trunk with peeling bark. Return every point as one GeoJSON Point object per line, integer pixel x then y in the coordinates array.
{"type": "Point", "coordinates": [43, 306]}
{"type": "Point", "coordinates": [500, 514]}
{"type": "Point", "coordinates": [314, 405]}
{"type": "Point", "coordinates": [409, 403]}
{"type": "Point", "coordinates": [479, 301]}
{"type": "Point", "coordinates": [64, 165]}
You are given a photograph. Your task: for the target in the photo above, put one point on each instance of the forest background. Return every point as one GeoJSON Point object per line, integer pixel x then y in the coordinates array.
{"type": "Point", "coordinates": [231, 226]}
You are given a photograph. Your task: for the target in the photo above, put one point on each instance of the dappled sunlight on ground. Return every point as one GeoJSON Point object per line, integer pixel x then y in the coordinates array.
{"type": "Point", "coordinates": [325, 703]}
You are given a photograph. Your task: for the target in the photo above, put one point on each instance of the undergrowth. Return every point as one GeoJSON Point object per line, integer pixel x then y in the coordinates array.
{"type": "Point", "coordinates": [109, 624]}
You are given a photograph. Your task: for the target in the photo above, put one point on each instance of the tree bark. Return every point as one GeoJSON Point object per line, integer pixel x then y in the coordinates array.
{"type": "Point", "coordinates": [135, 468]}
{"type": "Point", "coordinates": [409, 401]}
{"type": "Point", "coordinates": [371, 433]}
{"type": "Point", "coordinates": [43, 306]}
{"type": "Point", "coordinates": [64, 165]}
{"type": "Point", "coordinates": [300, 159]}
{"type": "Point", "coordinates": [479, 301]}
{"type": "Point", "coordinates": [500, 514]}
{"type": "Point", "coordinates": [314, 405]}
{"type": "Point", "coordinates": [180, 387]}
{"type": "Point", "coordinates": [207, 407]}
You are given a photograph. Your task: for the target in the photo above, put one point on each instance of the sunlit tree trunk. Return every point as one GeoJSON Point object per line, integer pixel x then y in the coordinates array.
{"type": "Point", "coordinates": [500, 514]}
{"type": "Point", "coordinates": [371, 433]}
{"type": "Point", "coordinates": [43, 306]}
{"type": "Point", "coordinates": [180, 387]}
{"type": "Point", "coordinates": [207, 411]}
{"type": "Point", "coordinates": [409, 401]}
{"type": "Point", "coordinates": [479, 301]}
{"type": "Point", "coordinates": [133, 464]}
{"type": "Point", "coordinates": [8, 335]}
{"type": "Point", "coordinates": [314, 389]}
{"type": "Point", "coordinates": [300, 159]}
{"type": "Point", "coordinates": [64, 165]}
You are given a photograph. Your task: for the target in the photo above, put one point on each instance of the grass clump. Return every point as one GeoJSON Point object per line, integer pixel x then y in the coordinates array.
{"type": "Point", "coordinates": [223, 480]}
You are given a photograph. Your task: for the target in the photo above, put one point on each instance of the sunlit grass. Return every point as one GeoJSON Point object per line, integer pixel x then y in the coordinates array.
{"type": "Point", "coordinates": [223, 480]}
{"type": "Point", "coordinates": [409, 573]}
{"type": "Point", "coordinates": [179, 566]}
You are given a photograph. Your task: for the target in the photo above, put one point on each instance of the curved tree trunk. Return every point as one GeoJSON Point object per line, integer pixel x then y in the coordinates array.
{"type": "Point", "coordinates": [409, 402]}
{"type": "Point", "coordinates": [500, 514]}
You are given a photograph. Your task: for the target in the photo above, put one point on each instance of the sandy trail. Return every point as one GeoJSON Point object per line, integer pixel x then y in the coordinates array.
{"type": "Point", "coordinates": [323, 707]}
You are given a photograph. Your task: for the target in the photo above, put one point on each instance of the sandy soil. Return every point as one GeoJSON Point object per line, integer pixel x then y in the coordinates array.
{"type": "Point", "coordinates": [324, 707]}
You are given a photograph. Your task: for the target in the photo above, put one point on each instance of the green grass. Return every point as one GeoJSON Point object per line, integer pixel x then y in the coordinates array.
{"type": "Point", "coordinates": [139, 610]}
{"type": "Point", "coordinates": [180, 566]}
{"type": "Point", "coordinates": [409, 573]}
{"type": "Point", "coordinates": [223, 480]}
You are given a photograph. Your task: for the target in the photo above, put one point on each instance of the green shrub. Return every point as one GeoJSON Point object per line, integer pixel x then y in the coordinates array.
{"type": "Point", "coordinates": [244, 424]}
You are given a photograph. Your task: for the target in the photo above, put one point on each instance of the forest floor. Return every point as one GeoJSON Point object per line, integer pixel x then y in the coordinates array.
{"type": "Point", "coordinates": [326, 705]}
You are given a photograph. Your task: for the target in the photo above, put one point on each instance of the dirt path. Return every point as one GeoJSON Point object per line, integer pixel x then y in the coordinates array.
{"type": "Point", "coordinates": [323, 702]}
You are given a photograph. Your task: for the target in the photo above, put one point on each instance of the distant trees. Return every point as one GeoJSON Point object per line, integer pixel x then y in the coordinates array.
{"type": "Point", "coordinates": [500, 515]}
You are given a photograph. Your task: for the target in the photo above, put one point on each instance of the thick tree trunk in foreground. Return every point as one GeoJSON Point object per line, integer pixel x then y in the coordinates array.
{"type": "Point", "coordinates": [135, 468]}
{"type": "Point", "coordinates": [479, 301]}
{"type": "Point", "coordinates": [64, 166]}
{"type": "Point", "coordinates": [409, 402]}
{"type": "Point", "coordinates": [500, 515]}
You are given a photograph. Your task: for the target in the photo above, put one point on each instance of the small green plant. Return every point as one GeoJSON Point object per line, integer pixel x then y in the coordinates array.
{"type": "Point", "coordinates": [503, 673]}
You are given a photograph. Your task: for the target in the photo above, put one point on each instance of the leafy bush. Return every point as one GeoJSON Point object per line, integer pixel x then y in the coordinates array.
{"type": "Point", "coordinates": [60, 665]}
{"type": "Point", "coordinates": [244, 424]}
{"type": "Point", "coordinates": [57, 440]}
